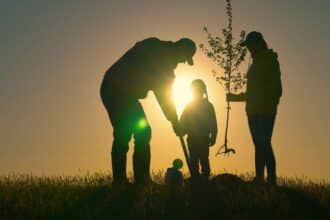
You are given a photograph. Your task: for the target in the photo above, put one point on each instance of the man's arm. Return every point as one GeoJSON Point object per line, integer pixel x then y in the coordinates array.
{"type": "Point", "coordinates": [183, 122]}
{"type": "Point", "coordinates": [163, 93]}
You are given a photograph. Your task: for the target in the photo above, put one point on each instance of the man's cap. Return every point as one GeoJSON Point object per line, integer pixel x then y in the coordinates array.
{"type": "Point", "coordinates": [177, 164]}
{"type": "Point", "coordinates": [188, 47]}
{"type": "Point", "coordinates": [252, 38]}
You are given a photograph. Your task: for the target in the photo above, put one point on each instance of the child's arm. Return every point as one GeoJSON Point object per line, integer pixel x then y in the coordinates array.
{"type": "Point", "coordinates": [214, 126]}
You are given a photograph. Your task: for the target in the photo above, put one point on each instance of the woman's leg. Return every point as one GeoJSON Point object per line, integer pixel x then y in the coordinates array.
{"type": "Point", "coordinates": [268, 125]}
{"type": "Point", "coordinates": [256, 131]}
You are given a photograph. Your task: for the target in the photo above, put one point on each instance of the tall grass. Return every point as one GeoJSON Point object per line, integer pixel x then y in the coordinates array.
{"type": "Point", "coordinates": [91, 196]}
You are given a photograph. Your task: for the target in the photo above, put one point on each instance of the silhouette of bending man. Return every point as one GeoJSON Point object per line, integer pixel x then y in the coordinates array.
{"type": "Point", "coordinates": [148, 65]}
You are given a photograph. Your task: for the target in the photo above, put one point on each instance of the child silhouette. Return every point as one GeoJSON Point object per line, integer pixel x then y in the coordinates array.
{"type": "Point", "coordinates": [173, 176]}
{"type": "Point", "coordinates": [199, 122]}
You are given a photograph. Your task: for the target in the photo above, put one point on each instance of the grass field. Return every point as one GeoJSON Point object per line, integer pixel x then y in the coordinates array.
{"type": "Point", "coordinates": [91, 196]}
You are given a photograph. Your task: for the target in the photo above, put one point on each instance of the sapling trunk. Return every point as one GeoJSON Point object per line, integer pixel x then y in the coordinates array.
{"type": "Point", "coordinates": [228, 55]}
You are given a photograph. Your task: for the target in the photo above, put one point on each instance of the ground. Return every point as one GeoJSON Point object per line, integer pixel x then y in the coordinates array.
{"type": "Point", "coordinates": [226, 196]}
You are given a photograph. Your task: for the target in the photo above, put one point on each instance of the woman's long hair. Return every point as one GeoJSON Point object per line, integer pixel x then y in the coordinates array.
{"type": "Point", "coordinates": [259, 46]}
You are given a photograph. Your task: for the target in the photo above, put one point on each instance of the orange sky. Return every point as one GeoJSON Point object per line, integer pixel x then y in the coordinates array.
{"type": "Point", "coordinates": [54, 56]}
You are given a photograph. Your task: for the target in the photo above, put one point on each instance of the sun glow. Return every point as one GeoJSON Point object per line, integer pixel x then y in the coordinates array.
{"type": "Point", "coordinates": [181, 92]}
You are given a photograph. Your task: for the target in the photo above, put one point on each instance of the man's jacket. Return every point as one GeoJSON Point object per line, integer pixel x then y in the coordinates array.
{"type": "Point", "coordinates": [148, 65]}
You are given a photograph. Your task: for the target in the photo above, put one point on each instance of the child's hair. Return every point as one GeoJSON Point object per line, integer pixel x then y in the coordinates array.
{"type": "Point", "coordinates": [177, 164]}
{"type": "Point", "coordinates": [198, 83]}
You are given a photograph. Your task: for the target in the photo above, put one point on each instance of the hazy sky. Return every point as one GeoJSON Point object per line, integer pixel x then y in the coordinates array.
{"type": "Point", "coordinates": [54, 54]}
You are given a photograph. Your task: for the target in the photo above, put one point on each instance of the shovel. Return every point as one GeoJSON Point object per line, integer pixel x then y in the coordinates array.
{"type": "Point", "coordinates": [185, 151]}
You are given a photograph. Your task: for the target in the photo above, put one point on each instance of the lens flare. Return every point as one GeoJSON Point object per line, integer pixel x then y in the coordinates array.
{"type": "Point", "coordinates": [142, 123]}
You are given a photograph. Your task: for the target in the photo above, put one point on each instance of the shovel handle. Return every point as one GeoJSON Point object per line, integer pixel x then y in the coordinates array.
{"type": "Point", "coordinates": [185, 152]}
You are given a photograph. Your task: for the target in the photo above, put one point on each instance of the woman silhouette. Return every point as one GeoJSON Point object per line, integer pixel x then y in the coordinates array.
{"type": "Point", "coordinates": [262, 97]}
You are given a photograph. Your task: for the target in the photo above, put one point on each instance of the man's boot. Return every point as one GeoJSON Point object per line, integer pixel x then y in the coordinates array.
{"type": "Point", "coordinates": [141, 167]}
{"type": "Point", "coordinates": [119, 169]}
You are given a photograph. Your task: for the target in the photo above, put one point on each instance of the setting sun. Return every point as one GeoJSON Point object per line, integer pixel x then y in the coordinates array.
{"type": "Point", "coordinates": [181, 93]}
